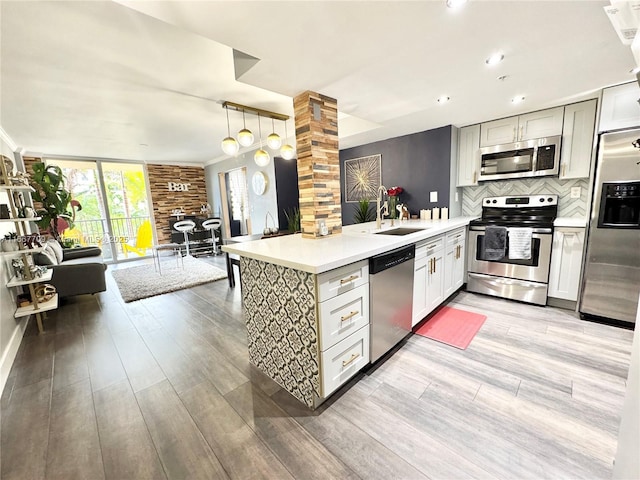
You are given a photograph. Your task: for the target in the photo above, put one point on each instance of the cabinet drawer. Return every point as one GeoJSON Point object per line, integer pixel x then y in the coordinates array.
{"type": "Point", "coordinates": [344, 359]}
{"type": "Point", "coordinates": [456, 236]}
{"type": "Point", "coordinates": [342, 315]}
{"type": "Point", "coordinates": [428, 247]}
{"type": "Point", "coordinates": [343, 279]}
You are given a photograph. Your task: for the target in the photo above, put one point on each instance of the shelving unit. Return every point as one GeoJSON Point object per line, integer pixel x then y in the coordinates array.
{"type": "Point", "coordinates": [22, 230]}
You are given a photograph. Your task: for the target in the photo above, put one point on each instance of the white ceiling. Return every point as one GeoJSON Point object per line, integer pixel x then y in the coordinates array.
{"type": "Point", "coordinates": [145, 80]}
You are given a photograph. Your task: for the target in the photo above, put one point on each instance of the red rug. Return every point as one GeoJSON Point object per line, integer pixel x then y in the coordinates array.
{"type": "Point", "coordinates": [452, 326]}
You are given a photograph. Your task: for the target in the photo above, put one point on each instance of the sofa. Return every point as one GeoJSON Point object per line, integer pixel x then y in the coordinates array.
{"type": "Point", "coordinates": [76, 271]}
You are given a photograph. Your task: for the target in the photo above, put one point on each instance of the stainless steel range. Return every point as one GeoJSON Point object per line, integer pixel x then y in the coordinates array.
{"type": "Point", "coordinates": [510, 247]}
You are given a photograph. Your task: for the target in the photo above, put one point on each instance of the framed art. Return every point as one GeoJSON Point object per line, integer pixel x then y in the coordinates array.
{"type": "Point", "coordinates": [362, 178]}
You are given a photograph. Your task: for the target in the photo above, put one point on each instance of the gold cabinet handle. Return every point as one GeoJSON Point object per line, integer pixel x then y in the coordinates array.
{"type": "Point", "coordinates": [514, 133]}
{"type": "Point", "coordinates": [564, 169]}
{"type": "Point", "coordinates": [351, 360]}
{"type": "Point", "coordinates": [350, 279]}
{"type": "Point", "coordinates": [430, 264]}
{"type": "Point", "coordinates": [474, 177]}
{"type": "Point", "coordinates": [434, 265]}
{"type": "Point", "coordinates": [521, 132]}
{"type": "Point", "coordinates": [344, 318]}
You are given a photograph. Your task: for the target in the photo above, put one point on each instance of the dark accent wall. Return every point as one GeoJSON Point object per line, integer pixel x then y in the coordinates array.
{"type": "Point", "coordinates": [287, 193]}
{"type": "Point", "coordinates": [420, 163]}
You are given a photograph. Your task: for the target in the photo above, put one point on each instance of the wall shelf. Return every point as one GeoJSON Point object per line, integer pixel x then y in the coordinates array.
{"type": "Point", "coordinates": [17, 188]}
{"type": "Point", "coordinates": [16, 220]}
{"type": "Point", "coordinates": [18, 282]}
{"type": "Point", "coordinates": [42, 307]}
{"type": "Point", "coordinates": [26, 251]}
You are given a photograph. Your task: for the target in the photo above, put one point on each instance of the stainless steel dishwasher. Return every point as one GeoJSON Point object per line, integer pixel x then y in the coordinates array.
{"type": "Point", "coordinates": [391, 298]}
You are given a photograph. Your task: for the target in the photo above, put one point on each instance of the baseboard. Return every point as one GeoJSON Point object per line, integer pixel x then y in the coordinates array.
{"type": "Point", "coordinates": [9, 355]}
{"type": "Point", "coordinates": [562, 303]}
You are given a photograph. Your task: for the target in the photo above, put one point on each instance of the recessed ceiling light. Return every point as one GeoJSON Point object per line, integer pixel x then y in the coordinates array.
{"type": "Point", "coordinates": [633, 71]}
{"type": "Point", "coordinates": [494, 59]}
{"type": "Point", "coordinates": [443, 99]}
{"type": "Point", "coordinates": [517, 99]}
{"type": "Point", "coordinates": [455, 3]}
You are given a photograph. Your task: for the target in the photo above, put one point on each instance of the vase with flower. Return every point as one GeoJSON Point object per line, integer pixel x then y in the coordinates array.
{"type": "Point", "coordinates": [394, 194]}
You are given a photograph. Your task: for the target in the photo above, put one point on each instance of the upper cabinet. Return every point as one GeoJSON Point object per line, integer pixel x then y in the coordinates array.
{"type": "Point", "coordinates": [468, 156]}
{"type": "Point", "coordinates": [543, 123]}
{"type": "Point", "coordinates": [620, 108]}
{"type": "Point", "coordinates": [577, 139]}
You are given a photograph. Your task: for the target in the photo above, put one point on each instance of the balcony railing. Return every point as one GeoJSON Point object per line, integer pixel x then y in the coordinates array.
{"type": "Point", "coordinates": [95, 232]}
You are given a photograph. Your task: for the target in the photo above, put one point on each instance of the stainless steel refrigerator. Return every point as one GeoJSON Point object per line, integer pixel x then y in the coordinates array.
{"type": "Point", "coordinates": [611, 279]}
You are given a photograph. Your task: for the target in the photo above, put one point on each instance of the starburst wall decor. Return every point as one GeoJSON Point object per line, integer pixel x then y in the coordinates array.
{"type": "Point", "coordinates": [362, 178]}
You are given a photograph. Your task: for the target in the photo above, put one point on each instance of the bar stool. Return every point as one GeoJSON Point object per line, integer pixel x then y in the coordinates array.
{"type": "Point", "coordinates": [213, 224]}
{"type": "Point", "coordinates": [185, 226]}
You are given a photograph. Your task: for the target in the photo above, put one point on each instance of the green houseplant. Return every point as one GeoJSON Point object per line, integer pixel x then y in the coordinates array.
{"type": "Point", "coordinates": [293, 219]}
{"type": "Point", "coordinates": [364, 213]}
{"type": "Point", "coordinates": [54, 198]}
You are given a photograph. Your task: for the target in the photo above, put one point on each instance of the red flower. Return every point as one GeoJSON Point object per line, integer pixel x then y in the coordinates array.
{"type": "Point", "coordinates": [395, 191]}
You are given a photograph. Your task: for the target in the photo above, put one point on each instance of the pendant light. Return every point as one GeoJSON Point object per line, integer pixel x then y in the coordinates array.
{"type": "Point", "coordinates": [230, 145]}
{"type": "Point", "coordinates": [245, 137]}
{"type": "Point", "coordinates": [287, 151]}
{"type": "Point", "coordinates": [273, 140]}
{"type": "Point", "coordinates": [261, 157]}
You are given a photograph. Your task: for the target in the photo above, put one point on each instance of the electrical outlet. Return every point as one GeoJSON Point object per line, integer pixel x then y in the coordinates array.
{"type": "Point", "coordinates": [576, 192]}
{"type": "Point", "coordinates": [433, 197]}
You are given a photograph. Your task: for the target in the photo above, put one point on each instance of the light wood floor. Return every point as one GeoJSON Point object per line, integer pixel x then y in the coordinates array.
{"type": "Point", "coordinates": [162, 388]}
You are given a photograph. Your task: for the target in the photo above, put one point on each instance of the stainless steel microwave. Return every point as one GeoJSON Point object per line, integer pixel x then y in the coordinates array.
{"type": "Point", "coordinates": [530, 158]}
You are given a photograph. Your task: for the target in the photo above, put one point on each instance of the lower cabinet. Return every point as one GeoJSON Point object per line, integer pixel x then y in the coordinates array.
{"type": "Point", "coordinates": [454, 260]}
{"type": "Point", "coordinates": [343, 323]}
{"type": "Point", "coordinates": [428, 278]}
{"type": "Point", "coordinates": [566, 263]}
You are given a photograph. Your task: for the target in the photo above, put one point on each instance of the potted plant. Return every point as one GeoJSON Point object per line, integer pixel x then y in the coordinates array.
{"type": "Point", "coordinates": [293, 219]}
{"type": "Point", "coordinates": [50, 191]}
{"type": "Point", "coordinates": [363, 212]}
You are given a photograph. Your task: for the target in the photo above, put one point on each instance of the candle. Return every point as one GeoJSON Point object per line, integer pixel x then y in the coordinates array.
{"type": "Point", "coordinates": [435, 213]}
{"type": "Point", "coordinates": [444, 213]}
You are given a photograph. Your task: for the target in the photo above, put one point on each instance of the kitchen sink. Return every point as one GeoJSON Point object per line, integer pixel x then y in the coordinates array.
{"type": "Point", "coordinates": [400, 231]}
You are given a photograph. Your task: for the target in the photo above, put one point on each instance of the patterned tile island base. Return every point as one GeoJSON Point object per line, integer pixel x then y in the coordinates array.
{"type": "Point", "coordinates": [282, 326]}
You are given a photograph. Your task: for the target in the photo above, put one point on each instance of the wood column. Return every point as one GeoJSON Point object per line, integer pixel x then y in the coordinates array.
{"type": "Point", "coordinates": [316, 118]}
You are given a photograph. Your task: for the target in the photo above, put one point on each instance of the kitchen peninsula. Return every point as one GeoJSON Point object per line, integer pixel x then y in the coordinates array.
{"type": "Point", "coordinates": [306, 301]}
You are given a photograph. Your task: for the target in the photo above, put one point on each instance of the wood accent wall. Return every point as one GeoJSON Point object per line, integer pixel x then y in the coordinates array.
{"type": "Point", "coordinates": [165, 201]}
{"type": "Point", "coordinates": [318, 163]}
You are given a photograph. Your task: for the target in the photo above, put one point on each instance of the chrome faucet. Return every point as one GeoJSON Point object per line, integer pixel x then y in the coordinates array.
{"type": "Point", "coordinates": [385, 206]}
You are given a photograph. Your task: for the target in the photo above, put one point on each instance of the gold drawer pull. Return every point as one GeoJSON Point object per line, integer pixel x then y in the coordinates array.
{"type": "Point", "coordinates": [347, 317]}
{"type": "Point", "coordinates": [351, 360]}
{"type": "Point", "coordinates": [350, 279]}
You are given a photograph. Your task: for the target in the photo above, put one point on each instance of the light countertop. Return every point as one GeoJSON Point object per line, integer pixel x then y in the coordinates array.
{"type": "Point", "coordinates": [356, 242]}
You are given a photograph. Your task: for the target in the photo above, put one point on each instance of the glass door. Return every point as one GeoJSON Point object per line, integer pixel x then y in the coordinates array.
{"type": "Point", "coordinates": [114, 208]}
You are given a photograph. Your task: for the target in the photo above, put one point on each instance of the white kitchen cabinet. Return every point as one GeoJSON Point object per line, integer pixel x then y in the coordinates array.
{"type": "Point", "coordinates": [468, 156]}
{"type": "Point", "coordinates": [577, 139]}
{"type": "Point", "coordinates": [454, 261]}
{"type": "Point", "coordinates": [566, 263]}
{"type": "Point", "coordinates": [428, 278]}
{"type": "Point", "coordinates": [543, 123]}
{"type": "Point", "coordinates": [343, 320]}
{"type": "Point", "coordinates": [620, 108]}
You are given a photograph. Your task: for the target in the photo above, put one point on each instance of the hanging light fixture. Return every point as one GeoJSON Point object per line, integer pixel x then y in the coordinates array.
{"type": "Point", "coordinates": [261, 157]}
{"type": "Point", "coordinates": [230, 145]}
{"type": "Point", "coordinates": [245, 137]}
{"type": "Point", "coordinates": [273, 140]}
{"type": "Point", "coordinates": [287, 151]}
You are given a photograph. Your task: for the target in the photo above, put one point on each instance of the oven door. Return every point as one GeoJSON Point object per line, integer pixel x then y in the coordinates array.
{"type": "Point", "coordinates": [535, 269]}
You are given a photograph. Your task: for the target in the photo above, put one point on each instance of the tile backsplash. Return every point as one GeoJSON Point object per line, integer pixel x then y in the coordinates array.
{"type": "Point", "coordinates": [567, 206]}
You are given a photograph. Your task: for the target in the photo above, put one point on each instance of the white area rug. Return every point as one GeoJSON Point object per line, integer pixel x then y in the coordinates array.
{"type": "Point", "coordinates": [144, 281]}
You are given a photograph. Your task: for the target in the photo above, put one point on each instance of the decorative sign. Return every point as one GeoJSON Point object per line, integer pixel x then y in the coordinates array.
{"type": "Point", "coordinates": [178, 187]}
{"type": "Point", "coordinates": [363, 176]}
